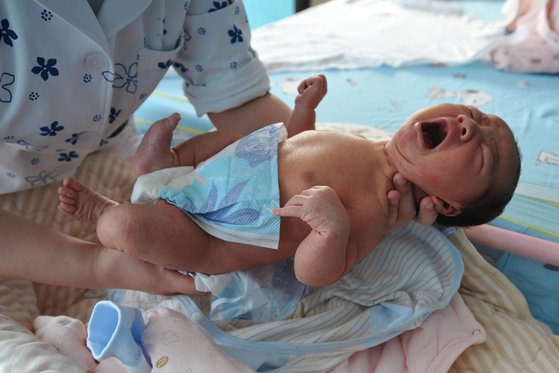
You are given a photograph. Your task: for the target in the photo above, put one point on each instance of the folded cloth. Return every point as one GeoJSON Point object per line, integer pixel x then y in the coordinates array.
{"type": "Point", "coordinates": [232, 194]}
{"type": "Point", "coordinates": [410, 274]}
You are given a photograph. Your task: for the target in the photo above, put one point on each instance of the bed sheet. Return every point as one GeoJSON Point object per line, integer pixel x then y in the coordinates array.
{"type": "Point", "coordinates": [383, 96]}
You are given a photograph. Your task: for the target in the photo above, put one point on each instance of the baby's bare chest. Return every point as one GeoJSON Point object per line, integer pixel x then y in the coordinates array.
{"type": "Point", "coordinates": [346, 164]}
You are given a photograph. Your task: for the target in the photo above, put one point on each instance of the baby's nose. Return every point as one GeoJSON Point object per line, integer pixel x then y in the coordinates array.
{"type": "Point", "coordinates": [467, 127]}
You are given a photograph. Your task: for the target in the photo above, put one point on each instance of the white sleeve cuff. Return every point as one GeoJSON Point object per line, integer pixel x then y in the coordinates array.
{"type": "Point", "coordinates": [248, 83]}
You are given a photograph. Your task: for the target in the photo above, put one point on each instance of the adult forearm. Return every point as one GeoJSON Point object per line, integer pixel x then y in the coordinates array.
{"type": "Point", "coordinates": [252, 115]}
{"type": "Point", "coordinates": [201, 147]}
{"type": "Point", "coordinates": [38, 253]}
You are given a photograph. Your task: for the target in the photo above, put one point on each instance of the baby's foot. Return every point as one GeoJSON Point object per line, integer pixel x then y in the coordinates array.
{"type": "Point", "coordinates": [311, 91]}
{"type": "Point", "coordinates": [154, 151]}
{"type": "Point", "coordinates": [81, 203]}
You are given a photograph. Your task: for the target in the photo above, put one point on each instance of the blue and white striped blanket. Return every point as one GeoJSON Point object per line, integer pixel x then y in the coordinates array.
{"type": "Point", "coordinates": [410, 274]}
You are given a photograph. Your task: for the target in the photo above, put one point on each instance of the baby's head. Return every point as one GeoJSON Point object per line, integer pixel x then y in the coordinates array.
{"type": "Point", "coordinates": [467, 161]}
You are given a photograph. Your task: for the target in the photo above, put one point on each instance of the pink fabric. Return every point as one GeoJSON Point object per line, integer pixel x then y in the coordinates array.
{"type": "Point", "coordinates": [68, 336]}
{"type": "Point", "coordinates": [516, 243]}
{"type": "Point", "coordinates": [533, 45]}
{"type": "Point", "coordinates": [430, 348]}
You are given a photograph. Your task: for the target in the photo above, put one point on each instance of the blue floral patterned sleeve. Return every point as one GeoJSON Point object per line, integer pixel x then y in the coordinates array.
{"type": "Point", "coordinates": [70, 78]}
{"type": "Point", "coordinates": [219, 67]}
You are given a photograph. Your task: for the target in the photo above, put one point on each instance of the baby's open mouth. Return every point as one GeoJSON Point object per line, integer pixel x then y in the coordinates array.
{"type": "Point", "coordinates": [433, 133]}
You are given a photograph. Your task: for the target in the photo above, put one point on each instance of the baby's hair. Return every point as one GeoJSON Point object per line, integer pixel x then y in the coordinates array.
{"type": "Point", "coordinates": [486, 207]}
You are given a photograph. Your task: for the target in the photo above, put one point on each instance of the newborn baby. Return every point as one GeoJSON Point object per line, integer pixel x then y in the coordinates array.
{"type": "Point", "coordinates": [217, 203]}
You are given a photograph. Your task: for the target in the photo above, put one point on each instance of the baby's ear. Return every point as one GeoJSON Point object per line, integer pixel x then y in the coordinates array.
{"type": "Point", "coordinates": [445, 208]}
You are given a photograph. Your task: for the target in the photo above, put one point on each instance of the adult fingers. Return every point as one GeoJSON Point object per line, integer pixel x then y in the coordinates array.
{"type": "Point", "coordinates": [427, 214]}
{"type": "Point", "coordinates": [393, 205]}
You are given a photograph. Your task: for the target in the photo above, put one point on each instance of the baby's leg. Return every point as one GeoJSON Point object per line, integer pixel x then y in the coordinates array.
{"type": "Point", "coordinates": [176, 344]}
{"type": "Point", "coordinates": [154, 151]}
{"type": "Point", "coordinates": [161, 234]}
{"type": "Point", "coordinates": [80, 202]}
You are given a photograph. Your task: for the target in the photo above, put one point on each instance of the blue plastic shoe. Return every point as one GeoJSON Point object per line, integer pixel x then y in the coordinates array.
{"type": "Point", "coordinates": [116, 331]}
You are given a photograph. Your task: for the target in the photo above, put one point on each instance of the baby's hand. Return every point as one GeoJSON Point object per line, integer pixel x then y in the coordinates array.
{"type": "Point", "coordinates": [320, 259]}
{"type": "Point", "coordinates": [311, 91]}
{"type": "Point", "coordinates": [319, 207]}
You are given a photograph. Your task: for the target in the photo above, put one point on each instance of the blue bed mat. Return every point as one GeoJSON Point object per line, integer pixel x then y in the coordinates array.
{"type": "Point", "coordinates": [383, 97]}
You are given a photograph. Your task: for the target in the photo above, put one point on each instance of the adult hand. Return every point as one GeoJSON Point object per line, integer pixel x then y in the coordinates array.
{"type": "Point", "coordinates": [402, 208]}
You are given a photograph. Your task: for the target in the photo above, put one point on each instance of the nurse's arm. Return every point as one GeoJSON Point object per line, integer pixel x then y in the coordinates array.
{"type": "Point", "coordinates": [199, 148]}
{"type": "Point", "coordinates": [252, 115]}
{"type": "Point", "coordinates": [35, 252]}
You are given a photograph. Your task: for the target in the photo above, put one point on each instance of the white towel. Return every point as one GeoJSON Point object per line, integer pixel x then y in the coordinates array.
{"type": "Point", "coordinates": [368, 33]}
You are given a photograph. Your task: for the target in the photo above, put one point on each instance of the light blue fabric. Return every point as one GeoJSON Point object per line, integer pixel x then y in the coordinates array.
{"type": "Point", "coordinates": [116, 331]}
{"type": "Point", "coordinates": [410, 274]}
{"type": "Point", "coordinates": [538, 282]}
{"type": "Point", "coordinates": [266, 293]}
{"type": "Point", "coordinates": [232, 194]}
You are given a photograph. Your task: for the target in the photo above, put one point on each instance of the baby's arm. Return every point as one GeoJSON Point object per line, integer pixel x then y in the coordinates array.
{"type": "Point", "coordinates": [320, 258]}
{"type": "Point", "coordinates": [311, 91]}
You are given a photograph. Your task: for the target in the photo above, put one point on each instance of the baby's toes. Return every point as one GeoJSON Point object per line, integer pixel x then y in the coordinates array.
{"type": "Point", "coordinates": [65, 192]}
{"type": "Point", "coordinates": [67, 209]}
{"type": "Point", "coordinates": [72, 184]}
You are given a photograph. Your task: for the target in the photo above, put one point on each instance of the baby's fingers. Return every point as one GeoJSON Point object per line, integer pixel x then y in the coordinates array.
{"type": "Point", "coordinates": [288, 211]}
{"type": "Point", "coordinates": [299, 199]}
{"type": "Point", "coordinates": [293, 207]}
{"type": "Point", "coordinates": [302, 86]}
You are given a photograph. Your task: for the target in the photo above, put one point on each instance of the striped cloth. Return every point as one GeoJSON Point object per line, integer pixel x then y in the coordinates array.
{"type": "Point", "coordinates": [516, 342]}
{"type": "Point", "coordinates": [410, 274]}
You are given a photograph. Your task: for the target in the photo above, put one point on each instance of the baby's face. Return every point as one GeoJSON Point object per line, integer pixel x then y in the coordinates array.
{"type": "Point", "coordinates": [454, 152]}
